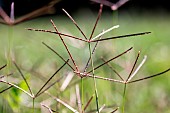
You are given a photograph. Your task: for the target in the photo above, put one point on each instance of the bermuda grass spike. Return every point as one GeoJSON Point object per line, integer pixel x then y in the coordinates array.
{"type": "Point", "coordinates": [133, 66]}
{"type": "Point", "coordinates": [113, 70]}
{"type": "Point", "coordinates": [98, 17]}
{"type": "Point", "coordinates": [137, 69]}
{"type": "Point", "coordinates": [54, 32]}
{"type": "Point", "coordinates": [65, 46]}
{"type": "Point", "coordinates": [111, 59]}
{"type": "Point", "coordinates": [121, 36]}
{"type": "Point", "coordinates": [42, 91]}
{"type": "Point", "coordinates": [75, 23]}
{"type": "Point", "coordinates": [51, 78]}
{"type": "Point", "coordinates": [155, 75]}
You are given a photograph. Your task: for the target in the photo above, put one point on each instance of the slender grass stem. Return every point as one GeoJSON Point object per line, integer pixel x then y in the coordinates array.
{"type": "Point", "coordinates": [94, 80]}
{"type": "Point", "coordinates": [82, 94]}
{"type": "Point", "coordinates": [124, 98]}
{"type": "Point", "coordinates": [33, 105]}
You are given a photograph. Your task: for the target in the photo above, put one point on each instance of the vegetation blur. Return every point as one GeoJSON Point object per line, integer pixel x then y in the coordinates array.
{"type": "Point", "coordinates": [56, 63]}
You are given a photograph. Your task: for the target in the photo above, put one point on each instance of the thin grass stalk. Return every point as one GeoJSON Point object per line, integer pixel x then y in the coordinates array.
{"type": "Point", "coordinates": [124, 98]}
{"type": "Point", "coordinates": [82, 94]}
{"type": "Point", "coordinates": [33, 105]}
{"type": "Point", "coordinates": [23, 77]}
{"type": "Point", "coordinates": [51, 78]}
{"type": "Point", "coordinates": [121, 36]}
{"type": "Point", "coordinates": [65, 46]}
{"type": "Point", "coordinates": [75, 23]}
{"type": "Point", "coordinates": [94, 80]}
{"type": "Point", "coordinates": [110, 60]}
{"type": "Point", "coordinates": [155, 75]}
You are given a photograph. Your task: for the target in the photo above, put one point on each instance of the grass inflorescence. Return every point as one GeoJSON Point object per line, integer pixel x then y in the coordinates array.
{"type": "Point", "coordinates": [87, 72]}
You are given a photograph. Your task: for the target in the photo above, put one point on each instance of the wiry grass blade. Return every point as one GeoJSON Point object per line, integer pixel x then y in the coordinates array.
{"type": "Point", "coordinates": [3, 67]}
{"type": "Point", "coordinates": [111, 59]}
{"type": "Point", "coordinates": [155, 75]}
{"type": "Point", "coordinates": [137, 69]}
{"type": "Point", "coordinates": [114, 70]}
{"type": "Point", "coordinates": [6, 89]}
{"type": "Point", "coordinates": [51, 78]}
{"type": "Point", "coordinates": [75, 23]}
{"type": "Point", "coordinates": [98, 17]}
{"type": "Point", "coordinates": [122, 36]}
{"type": "Point", "coordinates": [23, 77]}
{"type": "Point", "coordinates": [65, 46]}
{"type": "Point", "coordinates": [133, 66]}
{"type": "Point", "coordinates": [57, 55]}
{"type": "Point", "coordinates": [54, 32]}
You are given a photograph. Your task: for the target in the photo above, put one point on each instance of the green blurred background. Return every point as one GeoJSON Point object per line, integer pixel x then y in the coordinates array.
{"type": "Point", "coordinates": [38, 63]}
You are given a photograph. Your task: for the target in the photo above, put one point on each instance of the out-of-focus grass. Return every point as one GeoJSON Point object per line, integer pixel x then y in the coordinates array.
{"type": "Point", "coordinates": [150, 96]}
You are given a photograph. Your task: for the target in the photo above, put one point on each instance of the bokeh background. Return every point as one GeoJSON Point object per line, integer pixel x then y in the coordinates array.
{"type": "Point", "coordinates": [38, 63]}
